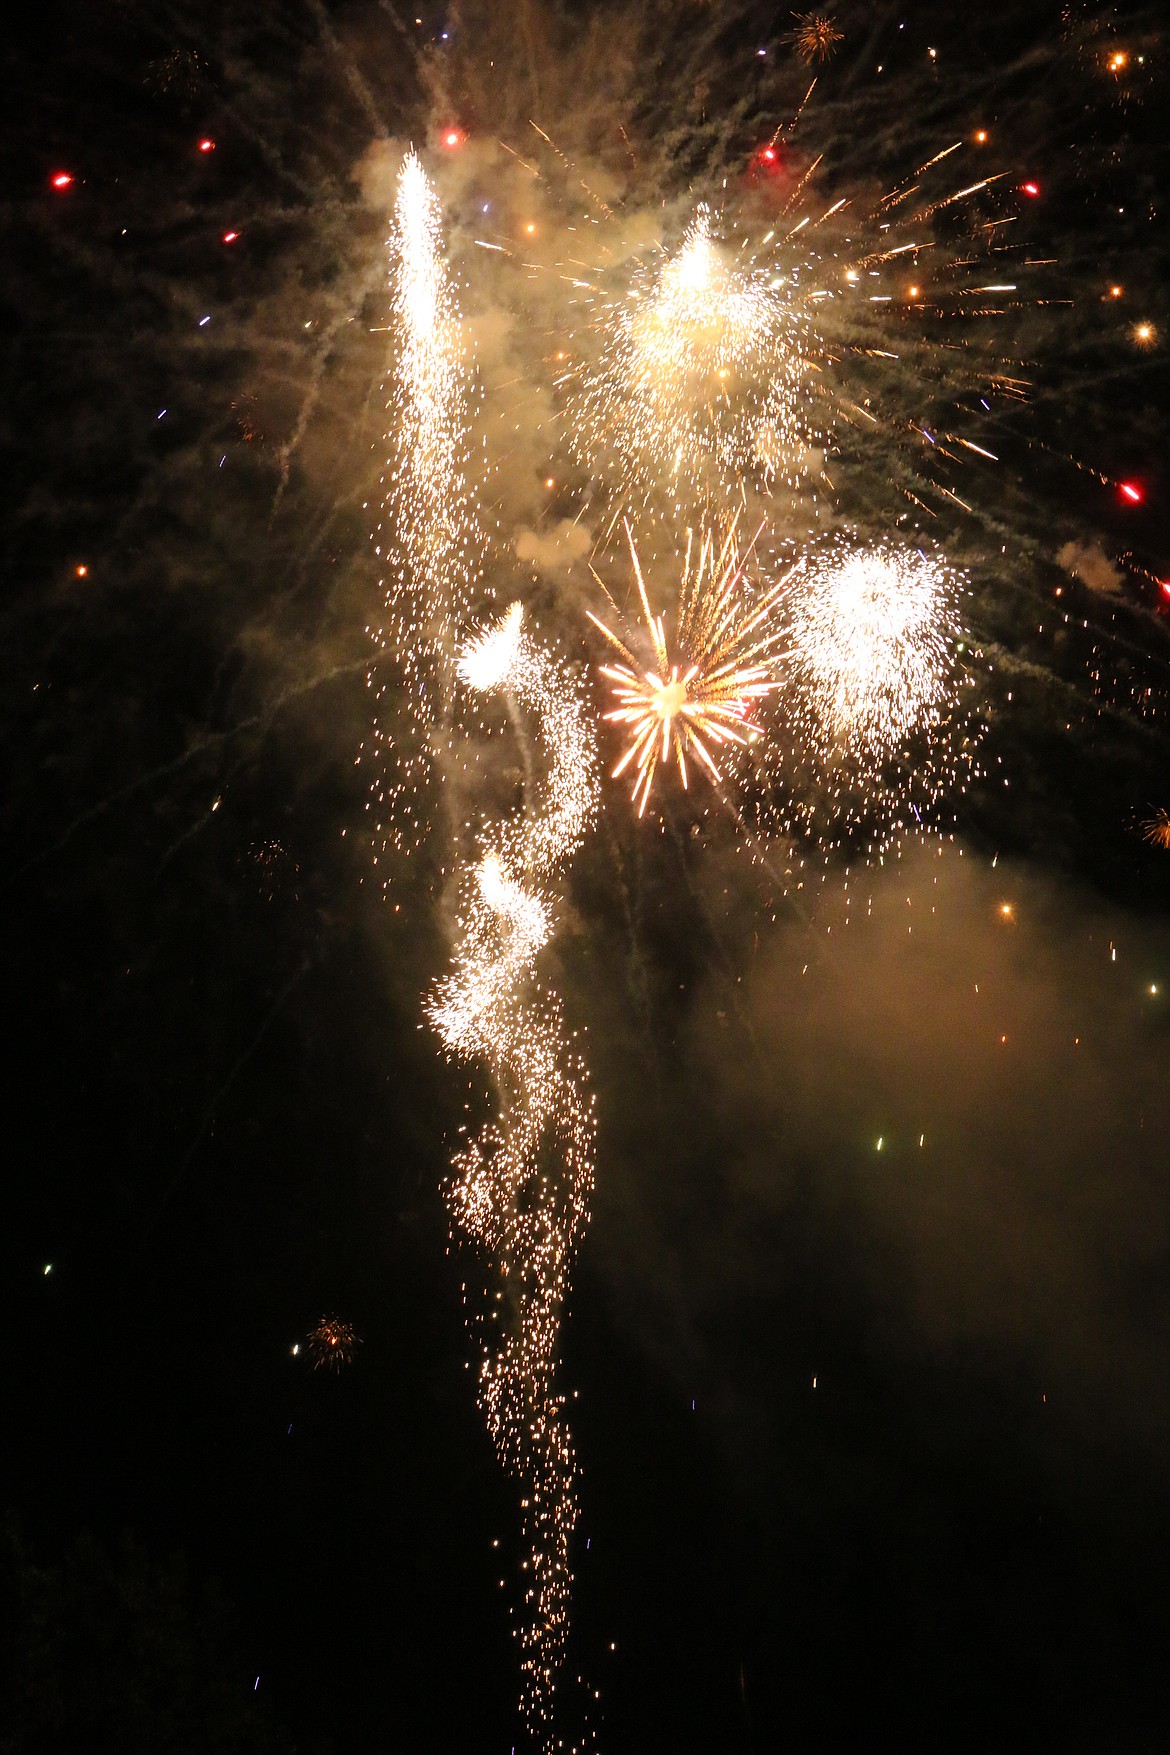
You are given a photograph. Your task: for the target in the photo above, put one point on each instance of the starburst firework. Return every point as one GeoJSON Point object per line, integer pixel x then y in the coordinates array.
{"type": "Point", "coordinates": [1156, 829]}
{"type": "Point", "coordinates": [332, 1344]}
{"type": "Point", "coordinates": [701, 701]}
{"type": "Point", "coordinates": [816, 36]}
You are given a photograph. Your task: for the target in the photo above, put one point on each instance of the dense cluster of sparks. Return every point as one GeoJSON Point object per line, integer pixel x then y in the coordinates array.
{"type": "Point", "coordinates": [332, 1344]}
{"type": "Point", "coordinates": [702, 377]}
{"type": "Point", "coordinates": [700, 701]}
{"type": "Point", "coordinates": [872, 635]}
{"type": "Point", "coordinates": [872, 727]}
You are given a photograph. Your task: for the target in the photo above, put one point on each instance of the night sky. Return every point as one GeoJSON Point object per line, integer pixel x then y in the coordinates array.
{"type": "Point", "coordinates": [867, 1340]}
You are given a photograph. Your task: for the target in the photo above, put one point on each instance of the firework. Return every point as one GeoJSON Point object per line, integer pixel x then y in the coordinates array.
{"type": "Point", "coordinates": [425, 540]}
{"type": "Point", "coordinates": [699, 702]}
{"type": "Point", "coordinates": [332, 1344]}
{"type": "Point", "coordinates": [703, 375]}
{"type": "Point", "coordinates": [870, 644]}
{"type": "Point", "coordinates": [1156, 829]}
{"type": "Point", "coordinates": [816, 36]}
{"type": "Point", "coordinates": [871, 727]}
{"type": "Point", "coordinates": [520, 1189]}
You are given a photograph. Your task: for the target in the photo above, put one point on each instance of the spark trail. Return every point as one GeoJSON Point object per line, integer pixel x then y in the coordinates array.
{"type": "Point", "coordinates": [426, 539]}
{"type": "Point", "coordinates": [521, 1187]}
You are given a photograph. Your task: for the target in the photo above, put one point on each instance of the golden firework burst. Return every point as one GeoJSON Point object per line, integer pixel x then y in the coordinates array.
{"type": "Point", "coordinates": [332, 1344]}
{"type": "Point", "coordinates": [1156, 829]}
{"type": "Point", "coordinates": [699, 701]}
{"type": "Point", "coordinates": [816, 36]}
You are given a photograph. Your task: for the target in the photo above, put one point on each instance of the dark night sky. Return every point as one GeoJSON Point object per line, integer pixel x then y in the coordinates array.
{"type": "Point", "coordinates": [874, 1439]}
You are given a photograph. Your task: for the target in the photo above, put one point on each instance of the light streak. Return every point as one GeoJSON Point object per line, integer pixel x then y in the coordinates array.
{"type": "Point", "coordinates": [425, 540]}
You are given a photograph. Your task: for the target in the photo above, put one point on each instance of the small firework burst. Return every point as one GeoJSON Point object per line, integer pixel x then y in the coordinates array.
{"type": "Point", "coordinates": [1156, 829]}
{"type": "Point", "coordinates": [816, 36]}
{"type": "Point", "coordinates": [179, 73]}
{"type": "Point", "coordinates": [700, 701]}
{"type": "Point", "coordinates": [332, 1344]}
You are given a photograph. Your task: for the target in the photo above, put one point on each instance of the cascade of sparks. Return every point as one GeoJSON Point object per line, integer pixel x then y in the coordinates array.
{"type": "Point", "coordinates": [425, 540]}
{"type": "Point", "coordinates": [521, 1188]}
{"type": "Point", "coordinates": [699, 702]}
{"type": "Point", "coordinates": [702, 376]}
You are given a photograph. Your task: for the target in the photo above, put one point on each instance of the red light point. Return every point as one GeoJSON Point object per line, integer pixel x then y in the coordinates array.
{"type": "Point", "coordinates": [61, 179]}
{"type": "Point", "coordinates": [207, 146]}
{"type": "Point", "coordinates": [1132, 492]}
{"type": "Point", "coordinates": [1030, 188]}
{"type": "Point", "coordinates": [769, 153]}
{"type": "Point", "coordinates": [230, 237]}
{"type": "Point", "coordinates": [452, 137]}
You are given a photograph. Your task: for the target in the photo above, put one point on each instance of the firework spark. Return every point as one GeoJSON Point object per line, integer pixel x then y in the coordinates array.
{"type": "Point", "coordinates": [870, 644]}
{"type": "Point", "coordinates": [700, 702]}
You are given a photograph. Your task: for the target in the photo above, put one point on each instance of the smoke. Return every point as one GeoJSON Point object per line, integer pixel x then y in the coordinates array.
{"type": "Point", "coordinates": [1088, 562]}
{"type": "Point", "coordinates": [956, 1070]}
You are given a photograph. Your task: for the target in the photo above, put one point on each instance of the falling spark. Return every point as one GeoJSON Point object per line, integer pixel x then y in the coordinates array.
{"type": "Point", "coordinates": [520, 1189]}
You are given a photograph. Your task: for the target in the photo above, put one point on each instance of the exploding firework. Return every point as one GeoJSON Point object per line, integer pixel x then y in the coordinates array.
{"type": "Point", "coordinates": [701, 701]}
{"type": "Point", "coordinates": [703, 376]}
{"type": "Point", "coordinates": [1156, 829]}
{"type": "Point", "coordinates": [871, 648]}
{"type": "Point", "coordinates": [332, 1344]}
{"type": "Point", "coordinates": [871, 727]}
{"type": "Point", "coordinates": [816, 36]}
